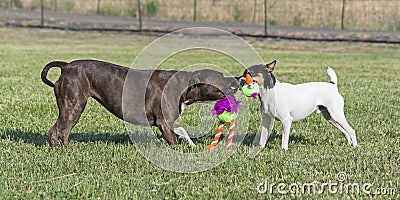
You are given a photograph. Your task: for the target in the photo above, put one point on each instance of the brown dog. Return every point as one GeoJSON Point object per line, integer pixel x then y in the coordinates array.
{"type": "Point", "coordinates": [149, 98]}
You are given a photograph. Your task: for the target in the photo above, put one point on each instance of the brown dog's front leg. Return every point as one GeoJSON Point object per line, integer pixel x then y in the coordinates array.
{"type": "Point", "coordinates": [167, 133]}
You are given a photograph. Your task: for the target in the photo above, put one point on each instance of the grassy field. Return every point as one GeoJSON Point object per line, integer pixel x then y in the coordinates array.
{"type": "Point", "coordinates": [102, 163]}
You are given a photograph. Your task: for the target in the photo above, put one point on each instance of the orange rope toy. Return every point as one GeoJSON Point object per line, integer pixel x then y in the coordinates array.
{"type": "Point", "coordinates": [226, 111]}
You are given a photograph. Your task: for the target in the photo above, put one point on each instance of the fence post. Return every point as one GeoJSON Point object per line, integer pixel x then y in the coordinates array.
{"type": "Point", "coordinates": [265, 18]}
{"type": "Point", "coordinates": [98, 7]}
{"type": "Point", "coordinates": [254, 11]}
{"type": "Point", "coordinates": [55, 6]}
{"type": "Point", "coordinates": [140, 15]}
{"type": "Point", "coordinates": [342, 21]}
{"type": "Point", "coordinates": [41, 13]}
{"type": "Point", "coordinates": [194, 10]}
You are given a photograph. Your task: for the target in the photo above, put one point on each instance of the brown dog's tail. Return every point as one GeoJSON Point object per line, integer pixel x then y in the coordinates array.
{"type": "Point", "coordinates": [59, 64]}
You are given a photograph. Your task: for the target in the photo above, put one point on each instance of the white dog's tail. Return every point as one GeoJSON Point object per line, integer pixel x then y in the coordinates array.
{"type": "Point", "coordinates": [332, 76]}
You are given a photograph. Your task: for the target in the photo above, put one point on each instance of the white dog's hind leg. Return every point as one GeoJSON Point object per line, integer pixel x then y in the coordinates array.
{"type": "Point", "coordinates": [336, 125]}
{"type": "Point", "coordinates": [286, 124]}
{"type": "Point", "coordinates": [346, 128]}
{"type": "Point", "coordinates": [339, 121]}
{"type": "Point", "coordinates": [265, 128]}
{"type": "Point", "coordinates": [184, 135]}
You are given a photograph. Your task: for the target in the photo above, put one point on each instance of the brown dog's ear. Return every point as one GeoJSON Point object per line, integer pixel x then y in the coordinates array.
{"type": "Point", "coordinates": [271, 66]}
{"type": "Point", "coordinates": [197, 78]}
{"type": "Point", "coordinates": [193, 91]}
{"type": "Point", "coordinates": [205, 76]}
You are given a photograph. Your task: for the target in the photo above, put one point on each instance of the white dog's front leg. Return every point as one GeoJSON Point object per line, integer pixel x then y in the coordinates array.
{"type": "Point", "coordinates": [265, 128]}
{"type": "Point", "coordinates": [285, 133]}
{"type": "Point", "coordinates": [184, 135]}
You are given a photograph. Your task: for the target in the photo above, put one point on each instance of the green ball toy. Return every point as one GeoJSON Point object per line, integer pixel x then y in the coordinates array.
{"type": "Point", "coordinates": [251, 90]}
{"type": "Point", "coordinates": [227, 116]}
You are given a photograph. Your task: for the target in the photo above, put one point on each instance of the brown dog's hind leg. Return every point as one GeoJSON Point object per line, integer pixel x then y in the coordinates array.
{"type": "Point", "coordinates": [71, 102]}
{"type": "Point", "coordinates": [67, 120]}
{"type": "Point", "coordinates": [53, 136]}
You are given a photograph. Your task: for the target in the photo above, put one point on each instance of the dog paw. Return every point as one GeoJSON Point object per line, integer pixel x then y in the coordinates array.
{"type": "Point", "coordinates": [188, 141]}
{"type": "Point", "coordinates": [190, 144]}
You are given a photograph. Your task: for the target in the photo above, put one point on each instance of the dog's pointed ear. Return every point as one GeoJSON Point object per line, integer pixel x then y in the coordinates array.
{"type": "Point", "coordinates": [193, 91]}
{"type": "Point", "coordinates": [271, 66]}
{"type": "Point", "coordinates": [197, 77]}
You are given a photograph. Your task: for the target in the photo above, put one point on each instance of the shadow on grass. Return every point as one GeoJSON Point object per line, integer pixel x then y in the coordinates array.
{"type": "Point", "coordinates": [24, 136]}
{"type": "Point", "coordinates": [39, 139]}
{"type": "Point", "coordinates": [104, 137]}
{"type": "Point", "coordinates": [251, 140]}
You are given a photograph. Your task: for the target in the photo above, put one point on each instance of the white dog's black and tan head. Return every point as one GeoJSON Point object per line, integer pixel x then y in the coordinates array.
{"type": "Point", "coordinates": [261, 74]}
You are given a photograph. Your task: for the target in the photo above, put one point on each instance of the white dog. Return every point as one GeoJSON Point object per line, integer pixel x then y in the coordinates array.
{"type": "Point", "coordinates": [289, 103]}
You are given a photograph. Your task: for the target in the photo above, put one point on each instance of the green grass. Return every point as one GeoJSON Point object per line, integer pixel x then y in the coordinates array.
{"type": "Point", "coordinates": [101, 162]}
